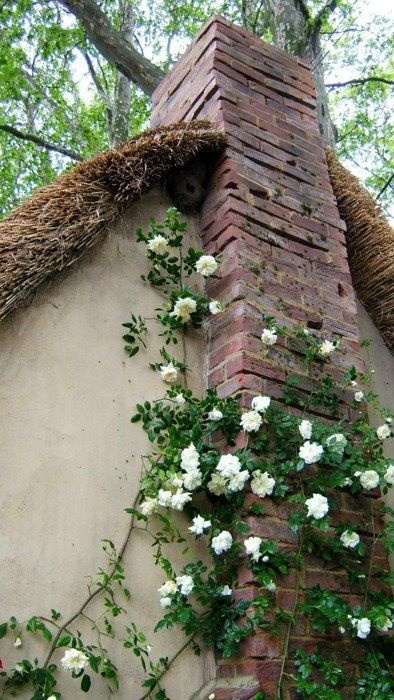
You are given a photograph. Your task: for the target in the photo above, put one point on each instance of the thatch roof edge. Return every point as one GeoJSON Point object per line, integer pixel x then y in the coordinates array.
{"type": "Point", "coordinates": [57, 224]}
{"type": "Point", "coordinates": [370, 245]}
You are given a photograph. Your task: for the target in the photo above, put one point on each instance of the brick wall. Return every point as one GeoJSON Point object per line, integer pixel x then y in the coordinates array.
{"type": "Point", "coordinates": [271, 214]}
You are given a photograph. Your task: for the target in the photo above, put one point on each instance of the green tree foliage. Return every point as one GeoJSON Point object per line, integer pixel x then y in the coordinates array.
{"type": "Point", "coordinates": [57, 86]}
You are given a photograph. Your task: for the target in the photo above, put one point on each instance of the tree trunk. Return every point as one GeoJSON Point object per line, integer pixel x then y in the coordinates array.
{"type": "Point", "coordinates": [121, 120]}
{"type": "Point", "coordinates": [293, 30]}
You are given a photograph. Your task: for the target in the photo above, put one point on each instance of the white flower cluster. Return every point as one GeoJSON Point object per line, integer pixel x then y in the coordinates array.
{"type": "Point", "coordinates": [363, 626]}
{"type": "Point", "coordinates": [158, 244]}
{"type": "Point", "coordinates": [199, 525]}
{"type": "Point", "coordinates": [74, 660]}
{"type": "Point", "coordinates": [317, 506]}
{"type": "Point", "coordinates": [228, 476]}
{"type": "Point", "coordinates": [261, 403]}
{"type": "Point", "coordinates": [183, 308]}
{"type": "Point", "coordinates": [184, 584]}
{"type": "Point", "coordinates": [327, 347]}
{"type": "Point", "coordinates": [305, 429]}
{"type": "Point", "coordinates": [215, 307]}
{"type": "Point", "coordinates": [168, 373]}
{"type": "Point", "coordinates": [251, 421]}
{"type": "Point", "coordinates": [262, 483]}
{"type": "Point", "coordinates": [336, 443]}
{"type": "Point", "coordinates": [350, 539]}
{"type": "Point", "coordinates": [269, 337]}
{"type": "Point", "coordinates": [222, 542]}
{"type": "Point", "coordinates": [190, 462]}
{"type": "Point", "coordinates": [206, 265]}
{"type": "Point", "coordinates": [252, 548]}
{"type": "Point", "coordinates": [383, 432]}
{"type": "Point", "coordinates": [310, 452]}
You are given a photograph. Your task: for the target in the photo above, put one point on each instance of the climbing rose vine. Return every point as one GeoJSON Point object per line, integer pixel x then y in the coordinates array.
{"type": "Point", "coordinates": [220, 463]}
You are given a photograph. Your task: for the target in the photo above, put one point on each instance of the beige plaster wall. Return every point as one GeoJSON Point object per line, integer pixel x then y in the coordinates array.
{"type": "Point", "coordinates": [378, 358]}
{"type": "Point", "coordinates": [70, 458]}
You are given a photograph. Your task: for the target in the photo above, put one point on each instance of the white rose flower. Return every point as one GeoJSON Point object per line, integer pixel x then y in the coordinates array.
{"type": "Point", "coordinates": [206, 265]}
{"type": "Point", "coordinates": [74, 660]}
{"type": "Point", "coordinates": [238, 481]}
{"type": "Point", "coordinates": [185, 583]}
{"type": "Point", "coordinates": [389, 475]}
{"type": "Point", "coordinates": [347, 481]}
{"type": "Point", "coordinates": [262, 483]}
{"type": "Point", "coordinates": [192, 479]}
{"type": "Point", "coordinates": [363, 627]}
{"type": "Point", "coordinates": [158, 244]}
{"type": "Point", "coordinates": [389, 420]}
{"type": "Point", "coordinates": [180, 399]}
{"type": "Point", "coordinates": [305, 429]}
{"type": "Point", "coordinates": [211, 696]}
{"type": "Point", "coordinates": [383, 432]}
{"type": "Point", "coordinates": [350, 539]}
{"type": "Point", "coordinates": [18, 642]}
{"type": "Point", "coordinates": [164, 498]}
{"type": "Point", "coordinates": [252, 547]}
{"type": "Point", "coordinates": [183, 308]}
{"type": "Point", "coordinates": [310, 452]}
{"type": "Point", "coordinates": [190, 459]}
{"type": "Point", "coordinates": [52, 697]}
{"type": "Point", "coordinates": [337, 442]}
{"type": "Point", "coordinates": [217, 485]}
{"type": "Point", "coordinates": [199, 525]}
{"type": "Point", "coordinates": [215, 414]}
{"type": "Point", "coordinates": [265, 558]}
{"type": "Point", "coordinates": [168, 588]}
{"type": "Point", "coordinates": [168, 373]}
{"type": "Point", "coordinates": [358, 396]}
{"type": "Point", "coordinates": [251, 421]}
{"type": "Point", "coordinates": [226, 590]}
{"type": "Point", "coordinates": [357, 474]}
{"type": "Point", "coordinates": [269, 337]}
{"type": "Point", "coordinates": [326, 348]}
{"type": "Point", "coordinates": [271, 586]}
{"type": "Point", "coordinates": [228, 465]}
{"type": "Point", "coordinates": [369, 479]}
{"type": "Point", "coordinates": [261, 403]}
{"type": "Point", "coordinates": [215, 307]}
{"type": "Point", "coordinates": [165, 602]}
{"type": "Point", "coordinates": [387, 625]}
{"type": "Point", "coordinates": [317, 506]}
{"type": "Point", "coordinates": [148, 506]}
{"type": "Point", "coordinates": [222, 542]}
{"type": "Point", "coordinates": [179, 499]}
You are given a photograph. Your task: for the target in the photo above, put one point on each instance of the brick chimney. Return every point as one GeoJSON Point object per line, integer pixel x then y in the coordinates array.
{"type": "Point", "coordinates": [271, 214]}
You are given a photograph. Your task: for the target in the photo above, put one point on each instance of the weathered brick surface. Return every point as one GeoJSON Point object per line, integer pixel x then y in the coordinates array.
{"type": "Point", "coordinates": [271, 215]}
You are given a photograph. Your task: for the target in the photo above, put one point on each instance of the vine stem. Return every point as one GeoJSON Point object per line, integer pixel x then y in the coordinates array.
{"type": "Point", "coordinates": [171, 661]}
{"type": "Point", "coordinates": [291, 621]}
{"type": "Point", "coordinates": [94, 593]}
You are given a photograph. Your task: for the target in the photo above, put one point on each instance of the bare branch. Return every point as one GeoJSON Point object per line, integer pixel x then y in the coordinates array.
{"type": "Point", "coordinates": [361, 81]}
{"type": "Point", "coordinates": [113, 46]}
{"type": "Point", "coordinates": [385, 186]}
{"type": "Point", "coordinates": [325, 11]}
{"type": "Point", "coordinates": [40, 142]}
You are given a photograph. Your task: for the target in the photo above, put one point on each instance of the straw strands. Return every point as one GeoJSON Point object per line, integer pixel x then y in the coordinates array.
{"type": "Point", "coordinates": [57, 224]}
{"type": "Point", "coordinates": [370, 245]}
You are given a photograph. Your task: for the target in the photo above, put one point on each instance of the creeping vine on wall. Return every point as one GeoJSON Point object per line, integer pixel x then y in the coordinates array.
{"type": "Point", "coordinates": [217, 462]}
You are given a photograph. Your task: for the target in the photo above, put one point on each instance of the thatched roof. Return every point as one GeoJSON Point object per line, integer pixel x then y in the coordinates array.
{"type": "Point", "coordinates": [58, 223]}
{"type": "Point", "coordinates": [370, 244]}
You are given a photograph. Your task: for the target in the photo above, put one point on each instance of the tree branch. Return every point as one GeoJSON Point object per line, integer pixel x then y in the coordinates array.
{"type": "Point", "coordinates": [385, 186]}
{"type": "Point", "coordinates": [40, 142]}
{"type": "Point", "coordinates": [325, 11]}
{"type": "Point", "coordinates": [112, 45]}
{"type": "Point", "coordinates": [361, 81]}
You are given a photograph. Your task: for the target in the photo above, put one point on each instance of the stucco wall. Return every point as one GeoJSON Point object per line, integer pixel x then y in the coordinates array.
{"type": "Point", "coordinates": [70, 458]}
{"type": "Point", "coordinates": [378, 358]}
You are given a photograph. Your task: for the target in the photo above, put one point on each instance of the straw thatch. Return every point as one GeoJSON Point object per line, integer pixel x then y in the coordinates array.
{"type": "Point", "coordinates": [53, 228]}
{"type": "Point", "coordinates": [370, 244]}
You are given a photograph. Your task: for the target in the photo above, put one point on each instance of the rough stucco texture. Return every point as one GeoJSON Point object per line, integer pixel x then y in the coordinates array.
{"type": "Point", "coordinates": [70, 458]}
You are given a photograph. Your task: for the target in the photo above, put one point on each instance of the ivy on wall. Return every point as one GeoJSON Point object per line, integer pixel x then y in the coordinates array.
{"type": "Point", "coordinates": [217, 463]}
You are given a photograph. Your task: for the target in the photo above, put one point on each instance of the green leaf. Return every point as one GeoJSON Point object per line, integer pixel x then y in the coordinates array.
{"type": "Point", "coordinates": [3, 629]}
{"type": "Point", "coordinates": [86, 683]}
